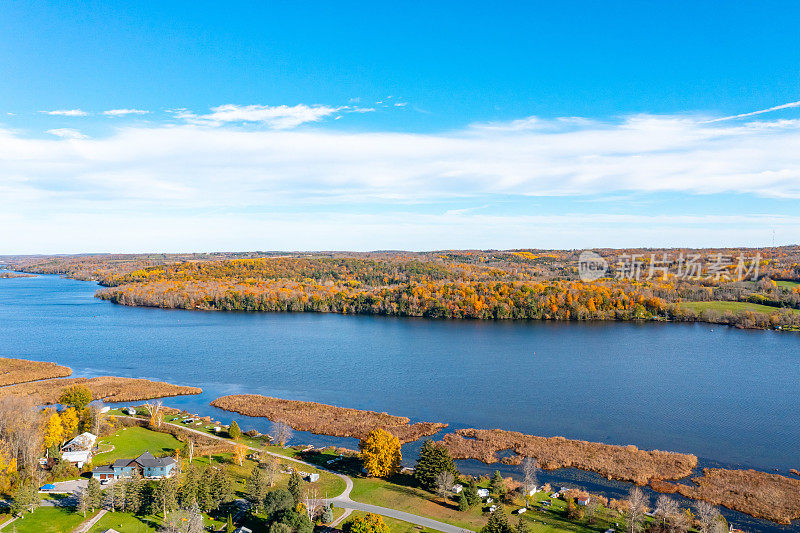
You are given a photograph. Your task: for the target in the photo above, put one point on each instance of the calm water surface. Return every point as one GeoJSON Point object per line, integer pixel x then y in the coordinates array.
{"type": "Point", "coordinates": [726, 395]}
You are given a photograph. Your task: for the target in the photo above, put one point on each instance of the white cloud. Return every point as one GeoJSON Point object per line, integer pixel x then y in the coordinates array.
{"type": "Point", "coordinates": [66, 112]}
{"type": "Point", "coordinates": [67, 133]}
{"type": "Point", "coordinates": [123, 112]}
{"type": "Point", "coordinates": [172, 172]}
{"type": "Point", "coordinates": [752, 113]}
{"type": "Point", "coordinates": [276, 117]}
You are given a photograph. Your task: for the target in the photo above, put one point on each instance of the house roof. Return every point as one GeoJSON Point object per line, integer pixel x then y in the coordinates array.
{"type": "Point", "coordinates": [103, 470]}
{"type": "Point", "coordinates": [146, 460]}
{"type": "Point", "coordinates": [85, 440]}
{"type": "Point", "coordinates": [81, 456]}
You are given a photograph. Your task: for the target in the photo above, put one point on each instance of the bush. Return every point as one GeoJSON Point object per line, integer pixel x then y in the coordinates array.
{"type": "Point", "coordinates": [63, 470]}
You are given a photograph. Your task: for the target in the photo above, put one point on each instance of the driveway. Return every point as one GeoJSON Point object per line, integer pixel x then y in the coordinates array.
{"type": "Point", "coordinates": [67, 487]}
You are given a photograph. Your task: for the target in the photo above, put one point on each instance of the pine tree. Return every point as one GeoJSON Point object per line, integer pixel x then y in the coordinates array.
{"type": "Point", "coordinates": [294, 487]}
{"type": "Point", "coordinates": [497, 485]}
{"type": "Point", "coordinates": [233, 431]}
{"type": "Point", "coordinates": [94, 494]}
{"type": "Point", "coordinates": [471, 493]}
{"type": "Point", "coordinates": [229, 526]}
{"type": "Point", "coordinates": [498, 523]}
{"type": "Point", "coordinates": [463, 502]}
{"type": "Point", "coordinates": [433, 459]}
{"type": "Point", "coordinates": [256, 488]}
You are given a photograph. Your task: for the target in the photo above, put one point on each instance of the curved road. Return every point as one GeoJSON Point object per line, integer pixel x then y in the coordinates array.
{"type": "Point", "coordinates": [343, 500]}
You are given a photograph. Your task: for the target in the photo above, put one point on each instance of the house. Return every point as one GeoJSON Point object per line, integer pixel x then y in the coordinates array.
{"type": "Point", "coordinates": [458, 488]}
{"type": "Point", "coordinates": [483, 493]}
{"type": "Point", "coordinates": [583, 501]}
{"type": "Point", "coordinates": [105, 409]}
{"type": "Point", "coordinates": [493, 508]}
{"type": "Point", "coordinates": [130, 411]}
{"type": "Point", "coordinates": [84, 441]}
{"type": "Point", "coordinates": [78, 451]}
{"type": "Point", "coordinates": [311, 478]}
{"type": "Point", "coordinates": [521, 510]}
{"type": "Point", "coordinates": [146, 465]}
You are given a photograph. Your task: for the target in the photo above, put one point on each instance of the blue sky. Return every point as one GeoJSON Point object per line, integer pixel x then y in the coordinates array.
{"type": "Point", "coordinates": [139, 126]}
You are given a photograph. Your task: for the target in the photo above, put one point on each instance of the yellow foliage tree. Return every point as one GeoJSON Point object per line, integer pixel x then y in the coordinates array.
{"type": "Point", "coordinates": [53, 432]}
{"type": "Point", "coordinates": [69, 421]}
{"type": "Point", "coordinates": [370, 523]}
{"type": "Point", "coordinates": [8, 467]}
{"type": "Point", "coordinates": [240, 452]}
{"type": "Point", "coordinates": [380, 451]}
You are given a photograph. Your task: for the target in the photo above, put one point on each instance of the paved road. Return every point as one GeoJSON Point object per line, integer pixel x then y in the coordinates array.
{"type": "Point", "coordinates": [343, 500]}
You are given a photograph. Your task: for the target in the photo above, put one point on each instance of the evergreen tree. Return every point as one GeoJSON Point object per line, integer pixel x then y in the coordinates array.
{"type": "Point", "coordinates": [278, 500]}
{"type": "Point", "coordinates": [165, 496]}
{"type": "Point", "coordinates": [498, 523]}
{"type": "Point", "coordinates": [256, 488]}
{"type": "Point", "coordinates": [294, 487]}
{"type": "Point", "coordinates": [233, 431]}
{"type": "Point", "coordinates": [471, 493]}
{"type": "Point", "coordinates": [497, 486]}
{"type": "Point", "coordinates": [463, 502]}
{"type": "Point", "coordinates": [94, 494]}
{"type": "Point", "coordinates": [135, 494]}
{"type": "Point", "coordinates": [191, 486]}
{"type": "Point", "coordinates": [229, 526]}
{"type": "Point", "coordinates": [433, 459]}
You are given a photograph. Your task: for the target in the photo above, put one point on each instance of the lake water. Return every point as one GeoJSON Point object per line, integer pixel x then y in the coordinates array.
{"type": "Point", "coordinates": [731, 397]}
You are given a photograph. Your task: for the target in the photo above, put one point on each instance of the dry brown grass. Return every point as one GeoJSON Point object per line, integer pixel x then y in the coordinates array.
{"type": "Point", "coordinates": [110, 388]}
{"type": "Point", "coordinates": [324, 419]}
{"type": "Point", "coordinates": [624, 463]}
{"type": "Point", "coordinates": [22, 371]}
{"type": "Point", "coordinates": [758, 494]}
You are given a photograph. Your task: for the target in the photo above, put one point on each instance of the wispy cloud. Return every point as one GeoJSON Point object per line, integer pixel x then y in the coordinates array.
{"type": "Point", "coordinates": [275, 117]}
{"type": "Point", "coordinates": [66, 112]}
{"type": "Point", "coordinates": [753, 113]}
{"type": "Point", "coordinates": [67, 133]}
{"type": "Point", "coordinates": [123, 112]}
{"type": "Point", "coordinates": [174, 170]}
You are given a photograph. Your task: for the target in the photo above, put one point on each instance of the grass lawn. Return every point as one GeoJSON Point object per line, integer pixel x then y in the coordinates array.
{"type": "Point", "coordinates": [133, 441]}
{"type": "Point", "coordinates": [399, 493]}
{"type": "Point", "coordinates": [788, 284]}
{"type": "Point", "coordinates": [48, 520]}
{"type": "Point", "coordinates": [125, 522]}
{"type": "Point", "coordinates": [735, 307]}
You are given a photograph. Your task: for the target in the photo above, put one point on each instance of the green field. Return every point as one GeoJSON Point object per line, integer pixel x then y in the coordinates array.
{"type": "Point", "coordinates": [133, 441]}
{"type": "Point", "coordinates": [734, 307]}
{"type": "Point", "coordinates": [788, 284]}
{"type": "Point", "coordinates": [47, 520]}
{"type": "Point", "coordinates": [125, 522]}
{"type": "Point", "coordinates": [400, 494]}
